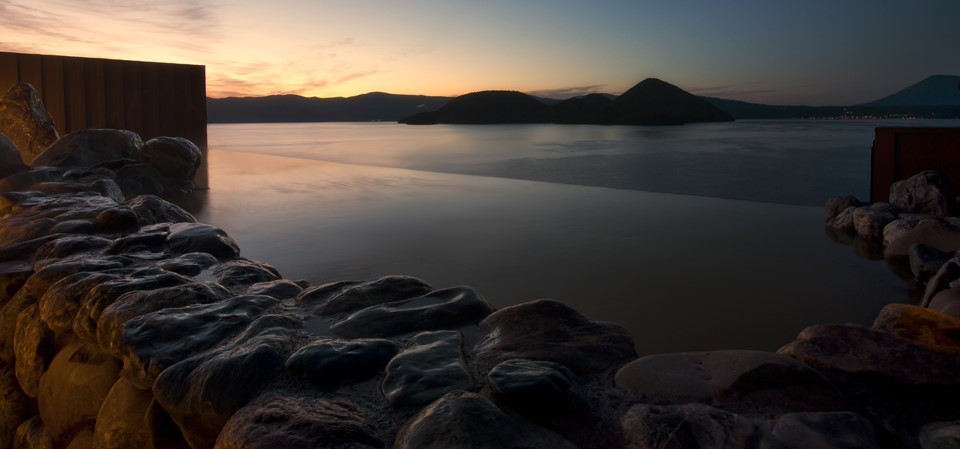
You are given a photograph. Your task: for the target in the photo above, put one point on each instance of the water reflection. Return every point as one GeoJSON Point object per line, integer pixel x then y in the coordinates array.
{"type": "Point", "coordinates": [681, 273]}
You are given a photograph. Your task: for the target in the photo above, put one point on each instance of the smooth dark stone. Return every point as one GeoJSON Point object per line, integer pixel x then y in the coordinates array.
{"type": "Point", "coordinates": [202, 238]}
{"type": "Point", "coordinates": [431, 367]}
{"type": "Point", "coordinates": [10, 160]}
{"type": "Point", "coordinates": [61, 302]}
{"type": "Point", "coordinates": [441, 309]}
{"type": "Point", "coordinates": [342, 297]}
{"type": "Point", "coordinates": [535, 387]}
{"type": "Point", "coordinates": [176, 159]}
{"type": "Point", "coordinates": [153, 241]}
{"type": "Point", "coordinates": [137, 179]}
{"type": "Point", "coordinates": [330, 362]}
{"type": "Point", "coordinates": [293, 421]}
{"type": "Point", "coordinates": [71, 245]}
{"type": "Point", "coordinates": [89, 147]}
{"type": "Point", "coordinates": [241, 273]}
{"type": "Point", "coordinates": [13, 275]}
{"type": "Point", "coordinates": [152, 210]}
{"type": "Point", "coordinates": [469, 421]}
{"type": "Point", "coordinates": [549, 330]}
{"type": "Point", "coordinates": [280, 289]}
{"type": "Point", "coordinates": [150, 343]}
{"type": "Point", "coordinates": [927, 192]}
{"type": "Point", "coordinates": [190, 264]}
{"type": "Point", "coordinates": [117, 218]}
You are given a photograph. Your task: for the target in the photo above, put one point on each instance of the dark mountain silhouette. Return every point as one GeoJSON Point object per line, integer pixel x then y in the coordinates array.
{"type": "Point", "coordinates": [656, 102]}
{"type": "Point", "coordinates": [651, 102]}
{"type": "Point", "coordinates": [487, 107]}
{"type": "Point", "coordinates": [742, 110]}
{"type": "Point", "coordinates": [581, 110]}
{"type": "Point", "coordinates": [937, 90]}
{"type": "Point", "coordinates": [374, 106]}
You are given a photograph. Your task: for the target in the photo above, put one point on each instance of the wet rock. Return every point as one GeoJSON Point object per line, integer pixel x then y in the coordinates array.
{"type": "Point", "coordinates": [297, 422]}
{"type": "Point", "coordinates": [688, 426]}
{"type": "Point", "coordinates": [238, 274]}
{"type": "Point", "coordinates": [14, 405]}
{"type": "Point", "coordinates": [835, 430]}
{"type": "Point", "coordinates": [330, 361]}
{"type": "Point", "coordinates": [143, 240]}
{"type": "Point", "coordinates": [110, 327]}
{"type": "Point", "coordinates": [203, 392]}
{"type": "Point", "coordinates": [281, 289]}
{"type": "Point", "coordinates": [843, 221]}
{"type": "Point", "coordinates": [71, 245]}
{"type": "Point", "coordinates": [176, 159]}
{"type": "Point", "coordinates": [32, 348]}
{"type": "Point", "coordinates": [937, 234]}
{"type": "Point", "coordinates": [862, 351]}
{"type": "Point", "coordinates": [103, 295]}
{"type": "Point", "coordinates": [948, 273]}
{"type": "Point", "coordinates": [137, 179]}
{"type": "Point", "coordinates": [117, 219]}
{"type": "Point", "coordinates": [441, 309]}
{"type": "Point", "coordinates": [431, 367]}
{"type": "Point", "coordinates": [869, 221]}
{"type": "Point", "coordinates": [32, 435]}
{"type": "Point", "coordinates": [190, 264]}
{"type": "Point", "coordinates": [946, 302]}
{"type": "Point", "coordinates": [89, 147]}
{"type": "Point", "coordinates": [535, 387]}
{"type": "Point", "coordinates": [549, 330]}
{"type": "Point", "coordinates": [940, 435]}
{"type": "Point", "coordinates": [21, 230]}
{"type": "Point", "coordinates": [838, 204]}
{"type": "Point", "coordinates": [342, 297]}
{"type": "Point", "coordinates": [25, 121]}
{"type": "Point", "coordinates": [122, 418]}
{"type": "Point", "coordinates": [196, 237]}
{"type": "Point", "coordinates": [927, 192]}
{"type": "Point", "coordinates": [13, 275]}
{"type": "Point", "coordinates": [109, 189]}
{"type": "Point", "coordinates": [152, 210]}
{"type": "Point", "coordinates": [60, 304]}
{"type": "Point", "coordinates": [150, 343]}
{"type": "Point", "coordinates": [10, 160]}
{"type": "Point", "coordinates": [73, 227]}
{"type": "Point", "coordinates": [23, 181]}
{"type": "Point", "coordinates": [470, 421]}
{"type": "Point", "coordinates": [925, 261]}
{"type": "Point", "coordinates": [74, 388]}
{"type": "Point", "coordinates": [734, 380]}
{"type": "Point", "coordinates": [922, 326]}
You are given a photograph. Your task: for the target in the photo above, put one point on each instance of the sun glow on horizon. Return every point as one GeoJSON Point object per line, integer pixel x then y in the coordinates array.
{"type": "Point", "coordinates": [790, 54]}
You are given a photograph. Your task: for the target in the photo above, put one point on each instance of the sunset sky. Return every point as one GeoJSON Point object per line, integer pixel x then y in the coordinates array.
{"type": "Point", "coordinates": [813, 52]}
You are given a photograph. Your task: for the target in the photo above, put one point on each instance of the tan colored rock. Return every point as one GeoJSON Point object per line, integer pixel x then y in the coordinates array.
{"type": "Point", "coordinates": [934, 233]}
{"type": "Point", "coordinates": [26, 122]}
{"type": "Point", "coordinates": [83, 440]}
{"type": "Point", "coordinates": [74, 388]}
{"type": "Point", "coordinates": [32, 435]}
{"type": "Point", "coordinates": [947, 302]}
{"type": "Point", "coordinates": [924, 327]}
{"type": "Point", "coordinates": [121, 422]}
{"type": "Point", "coordinates": [13, 405]}
{"type": "Point", "coordinates": [30, 345]}
{"type": "Point", "coordinates": [10, 160]}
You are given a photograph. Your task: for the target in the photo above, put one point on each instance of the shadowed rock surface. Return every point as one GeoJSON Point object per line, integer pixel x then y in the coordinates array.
{"type": "Point", "coordinates": [25, 121]}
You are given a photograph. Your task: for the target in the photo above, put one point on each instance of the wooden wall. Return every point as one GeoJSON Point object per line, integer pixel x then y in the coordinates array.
{"type": "Point", "coordinates": [152, 99]}
{"type": "Point", "coordinates": [901, 152]}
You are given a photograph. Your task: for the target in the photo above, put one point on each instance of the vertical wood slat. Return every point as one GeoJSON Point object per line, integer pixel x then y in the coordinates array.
{"type": "Point", "coordinates": [74, 92]}
{"type": "Point", "coordinates": [31, 71]}
{"type": "Point", "coordinates": [151, 99]}
{"type": "Point", "coordinates": [114, 107]}
{"type": "Point", "coordinates": [53, 91]}
{"type": "Point", "coordinates": [96, 97]}
{"type": "Point", "coordinates": [9, 71]}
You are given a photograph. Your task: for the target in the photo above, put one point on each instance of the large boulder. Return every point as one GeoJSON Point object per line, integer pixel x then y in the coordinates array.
{"type": "Point", "coordinates": [430, 368]}
{"type": "Point", "coordinates": [90, 147]}
{"type": "Point", "coordinates": [900, 235]}
{"type": "Point", "coordinates": [197, 237]}
{"type": "Point", "coordinates": [869, 221]}
{"type": "Point", "coordinates": [922, 326]}
{"type": "Point", "coordinates": [470, 421]}
{"type": "Point", "coordinates": [549, 330]}
{"type": "Point", "coordinates": [535, 387]}
{"type": "Point", "coordinates": [349, 296]}
{"type": "Point", "coordinates": [122, 418]}
{"type": "Point", "coordinates": [176, 159]}
{"type": "Point", "coordinates": [151, 209]}
{"type": "Point", "coordinates": [14, 405]}
{"type": "Point", "coordinates": [331, 361]}
{"type": "Point", "coordinates": [26, 122]}
{"type": "Point", "coordinates": [836, 205]}
{"type": "Point", "coordinates": [10, 160]}
{"type": "Point", "coordinates": [441, 309]}
{"type": "Point", "coordinates": [927, 192]}
{"type": "Point", "coordinates": [297, 422]}
{"type": "Point", "coordinates": [734, 380]}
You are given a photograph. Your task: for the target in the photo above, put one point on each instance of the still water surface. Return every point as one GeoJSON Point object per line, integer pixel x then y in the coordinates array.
{"type": "Point", "coordinates": [458, 205]}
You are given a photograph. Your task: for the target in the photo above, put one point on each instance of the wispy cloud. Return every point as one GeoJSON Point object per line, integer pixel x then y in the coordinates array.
{"type": "Point", "coordinates": [568, 92]}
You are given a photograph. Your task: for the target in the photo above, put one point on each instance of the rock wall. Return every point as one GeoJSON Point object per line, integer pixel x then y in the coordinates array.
{"type": "Point", "coordinates": [124, 323]}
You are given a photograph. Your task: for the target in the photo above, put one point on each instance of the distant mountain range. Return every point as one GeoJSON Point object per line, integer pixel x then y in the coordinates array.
{"type": "Point", "coordinates": [654, 102]}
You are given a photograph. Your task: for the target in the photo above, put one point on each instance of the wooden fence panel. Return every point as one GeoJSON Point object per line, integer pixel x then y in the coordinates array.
{"type": "Point", "coordinates": [151, 99]}
{"type": "Point", "coordinates": [9, 71]}
{"type": "Point", "coordinates": [901, 152]}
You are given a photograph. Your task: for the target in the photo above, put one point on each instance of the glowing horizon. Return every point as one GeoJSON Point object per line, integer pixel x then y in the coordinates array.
{"type": "Point", "coordinates": [817, 53]}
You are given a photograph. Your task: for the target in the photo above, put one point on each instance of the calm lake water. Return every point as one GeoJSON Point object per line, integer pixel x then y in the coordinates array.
{"type": "Point", "coordinates": [522, 212]}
